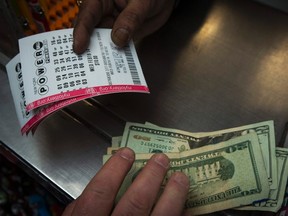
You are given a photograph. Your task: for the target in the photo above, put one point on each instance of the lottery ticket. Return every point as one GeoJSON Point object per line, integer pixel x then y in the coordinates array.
{"type": "Point", "coordinates": [53, 72]}
{"type": "Point", "coordinates": [47, 75]}
{"type": "Point", "coordinates": [29, 119]}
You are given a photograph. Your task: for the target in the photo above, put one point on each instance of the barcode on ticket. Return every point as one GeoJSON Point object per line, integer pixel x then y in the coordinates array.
{"type": "Point", "coordinates": [132, 66]}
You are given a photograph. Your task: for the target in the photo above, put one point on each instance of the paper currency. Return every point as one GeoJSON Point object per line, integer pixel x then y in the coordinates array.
{"type": "Point", "coordinates": [266, 137]}
{"type": "Point", "coordinates": [275, 159]}
{"type": "Point", "coordinates": [150, 138]}
{"type": "Point", "coordinates": [274, 202]}
{"type": "Point", "coordinates": [225, 175]}
{"type": "Point", "coordinates": [116, 141]}
{"type": "Point", "coordinates": [112, 150]}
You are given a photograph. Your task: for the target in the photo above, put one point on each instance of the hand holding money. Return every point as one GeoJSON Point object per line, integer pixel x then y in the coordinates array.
{"type": "Point", "coordinates": [237, 168]}
{"type": "Point", "coordinates": [233, 173]}
{"type": "Point", "coordinates": [98, 197]}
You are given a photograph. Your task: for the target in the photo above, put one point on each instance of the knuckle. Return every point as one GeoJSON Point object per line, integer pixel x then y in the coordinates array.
{"type": "Point", "coordinates": [107, 6]}
{"type": "Point", "coordinates": [138, 204]}
{"type": "Point", "coordinates": [102, 191]}
{"type": "Point", "coordinates": [156, 173]}
{"type": "Point", "coordinates": [133, 18]}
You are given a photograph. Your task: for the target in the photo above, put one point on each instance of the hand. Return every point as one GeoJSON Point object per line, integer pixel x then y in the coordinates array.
{"type": "Point", "coordinates": [98, 197]}
{"type": "Point", "coordinates": [129, 19]}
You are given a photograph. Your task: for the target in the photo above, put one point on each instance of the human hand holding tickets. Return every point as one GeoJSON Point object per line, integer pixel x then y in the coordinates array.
{"type": "Point", "coordinates": [98, 196]}
{"type": "Point", "coordinates": [127, 18]}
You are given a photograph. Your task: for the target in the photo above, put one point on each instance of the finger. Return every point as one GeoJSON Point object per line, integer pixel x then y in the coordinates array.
{"type": "Point", "coordinates": [141, 195]}
{"type": "Point", "coordinates": [121, 4]}
{"type": "Point", "coordinates": [90, 15]}
{"type": "Point", "coordinates": [154, 23]}
{"type": "Point", "coordinates": [69, 209]}
{"type": "Point", "coordinates": [129, 20]}
{"type": "Point", "coordinates": [174, 196]}
{"type": "Point", "coordinates": [100, 193]}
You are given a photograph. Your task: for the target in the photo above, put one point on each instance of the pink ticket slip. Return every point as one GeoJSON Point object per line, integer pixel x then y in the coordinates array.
{"type": "Point", "coordinates": [53, 72]}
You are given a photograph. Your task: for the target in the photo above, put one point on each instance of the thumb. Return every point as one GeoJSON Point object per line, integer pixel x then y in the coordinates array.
{"type": "Point", "coordinates": [90, 15]}
{"type": "Point", "coordinates": [129, 20]}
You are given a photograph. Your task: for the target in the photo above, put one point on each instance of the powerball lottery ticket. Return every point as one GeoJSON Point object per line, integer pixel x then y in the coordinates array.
{"type": "Point", "coordinates": [29, 119]}
{"type": "Point", "coordinates": [53, 72]}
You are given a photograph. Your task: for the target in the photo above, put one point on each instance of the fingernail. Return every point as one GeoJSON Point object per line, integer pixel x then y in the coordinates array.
{"type": "Point", "coordinates": [75, 45]}
{"type": "Point", "coordinates": [162, 160]}
{"type": "Point", "coordinates": [126, 153]}
{"type": "Point", "coordinates": [121, 37]}
{"type": "Point", "coordinates": [181, 179]}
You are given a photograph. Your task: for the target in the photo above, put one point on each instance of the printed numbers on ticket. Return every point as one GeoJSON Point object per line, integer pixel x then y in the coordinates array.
{"type": "Point", "coordinates": [53, 72]}
{"type": "Point", "coordinates": [28, 120]}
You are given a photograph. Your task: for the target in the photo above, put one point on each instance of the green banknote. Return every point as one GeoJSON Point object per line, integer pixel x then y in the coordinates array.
{"type": "Point", "coordinates": [116, 141]}
{"type": "Point", "coordinates": [149, 138]}
{"type": "Point", "coordinates": [222, 176]}
{"type": "Point", "coordinates": [152, 139]}
{"type": "Point", "coordinates": [274, 202]}
{"type": "Point", "coordinates": [266, 136]}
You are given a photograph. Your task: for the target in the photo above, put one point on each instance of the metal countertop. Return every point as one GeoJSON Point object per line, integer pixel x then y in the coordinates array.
{"type": "Point", "coordinates": [214, 65]}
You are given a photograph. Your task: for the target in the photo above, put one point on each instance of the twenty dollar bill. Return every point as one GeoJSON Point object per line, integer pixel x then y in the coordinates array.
{"type": "Point", "coordinates": [148, 138]}
{"type": "Point", "coordinates": [225, 175]}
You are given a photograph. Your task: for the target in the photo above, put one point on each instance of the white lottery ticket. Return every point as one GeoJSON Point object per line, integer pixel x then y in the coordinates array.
{"type": "Point", "coordinates": [14, 71]}
{"type": "Point", "coordinates": [29, 119]}
{"type": "Point", "coordinates": [53, 72]}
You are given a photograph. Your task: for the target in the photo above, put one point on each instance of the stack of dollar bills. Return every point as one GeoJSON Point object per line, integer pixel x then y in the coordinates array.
{"type": "Point", "coordinates": [239, 168]}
